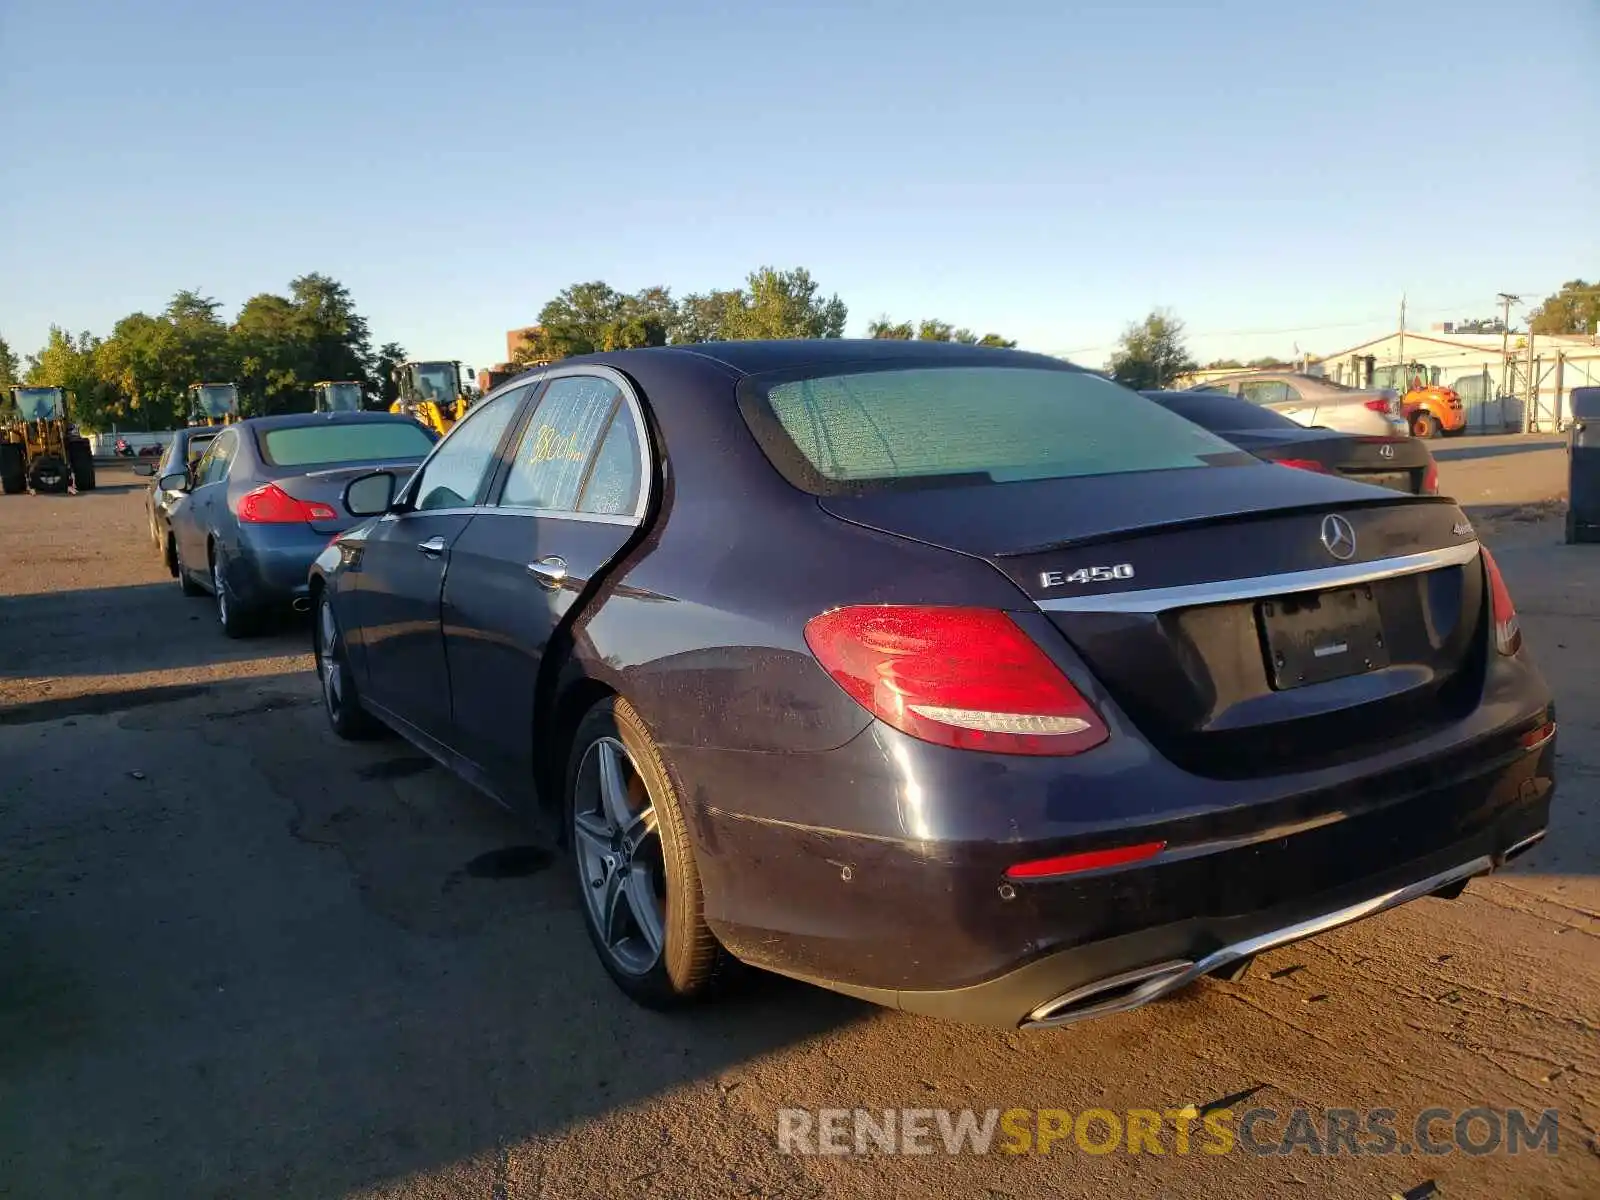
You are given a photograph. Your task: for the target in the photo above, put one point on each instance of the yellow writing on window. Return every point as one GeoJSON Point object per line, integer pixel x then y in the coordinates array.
{"type": "Point", "coordinates": [548, 445]}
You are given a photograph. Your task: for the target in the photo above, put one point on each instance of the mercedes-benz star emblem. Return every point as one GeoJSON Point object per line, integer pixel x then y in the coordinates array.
{"type": "Point", "coordinates": [1385, 451]}
{"type": "Point", "coordinates": [1338, 539]}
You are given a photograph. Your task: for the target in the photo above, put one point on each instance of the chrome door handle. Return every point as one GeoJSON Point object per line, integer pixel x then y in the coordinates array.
{"type": "Point", "coordinates": [550, 572]}
{"type": "Point", "coordinates": [433, 547]}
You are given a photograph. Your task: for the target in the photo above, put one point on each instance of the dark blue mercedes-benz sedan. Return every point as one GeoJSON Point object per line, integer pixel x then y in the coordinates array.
{"type": "Point", "coordinates": [957, 679]}
{"type": "Point", "coordinates": [250, 516]}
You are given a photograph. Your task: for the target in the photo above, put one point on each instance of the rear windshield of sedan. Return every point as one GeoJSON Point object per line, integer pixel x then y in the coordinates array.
{"type": "Point", "coordinates": [939, 426]}
{"type": "Point", "coordinates": [302, 445]}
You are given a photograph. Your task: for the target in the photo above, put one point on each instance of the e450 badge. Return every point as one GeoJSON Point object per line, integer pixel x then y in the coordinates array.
{"type": "Point", "coordinates": [1086, 575]}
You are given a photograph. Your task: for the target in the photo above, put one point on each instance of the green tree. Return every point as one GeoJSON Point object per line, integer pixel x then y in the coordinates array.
{"type": "Point", "coordinates": [703, 316]}
{"type": "Point", "coordinates": [1574, 309]}
{"type": "Point", "coordinates": [588, 317]}
{"type": "Point", "coordinates": [69, 363]}
{"type": "Point", "coordinates": [994, 339]}
{"type": "Point", "coordinates": [137, 364]}
{"type": "Point", "coordinates": [390, 355]}
{"type": "Point", "coordinates": [1224, 364]}
{"type": "Point", "coordinates": [1151, 353]}
{"type": "Point", "coordinates": [334, 341]}
{"type": "Point", "coordinates": [275, 362]}
{"type": "Point", "coordinates": [885, 329]}
{"type": "Point", "coordinates": [10, 376]}
{"type": "Point", "coordinates": [1265, 363]}
{"type": "Point", "coordinates": [783, 304]}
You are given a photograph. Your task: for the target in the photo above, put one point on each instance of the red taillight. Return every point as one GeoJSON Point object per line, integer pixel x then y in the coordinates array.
{"type": "Point", "coordinates": [1303, 464]}
{"type": "Point", "coordinates": [271, 505]}
{"type": "Point", "coordinates": [1383, 406]}
{"type": "Point", "coordinates": [1089, 860]}
{"type": "Point", "coordinates": [1507, 630]}
{"type": "Point", "coordinates": [1430, 479]}
{"type": "Point", "coordinates": [963, 677]}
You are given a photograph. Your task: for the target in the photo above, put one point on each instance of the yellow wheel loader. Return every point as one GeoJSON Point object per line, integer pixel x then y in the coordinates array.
{"type": "Point", "coordinates": [40, 451]}
{"type": "Point", "coordinates": [432, 393]}
{"type": "Point", "coordinates": [213, 403]}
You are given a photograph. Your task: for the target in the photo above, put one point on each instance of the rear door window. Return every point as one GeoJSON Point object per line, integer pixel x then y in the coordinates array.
{"type": "Point", "coordinates": [550, 469]}
{"type": "Point", "coordinates": [941, 426]}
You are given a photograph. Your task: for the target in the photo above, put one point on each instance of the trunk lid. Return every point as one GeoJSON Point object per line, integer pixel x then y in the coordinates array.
{"type": "Point", "coordinates": [1206, 602]}
{"type": "Point", "coordinates": [326, 485]}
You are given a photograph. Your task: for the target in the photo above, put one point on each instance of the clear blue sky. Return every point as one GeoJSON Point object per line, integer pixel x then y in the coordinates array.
{"type": "Point", "coordinates": [1048, 170]}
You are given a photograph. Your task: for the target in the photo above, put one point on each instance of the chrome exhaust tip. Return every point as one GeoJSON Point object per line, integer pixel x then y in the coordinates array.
{"type": "Point", "coordinates": [1120, 993]}
{"type": "Point", "coordinates": [301, 604]}
{"type": "Point", "coordinates": [1518, 849]}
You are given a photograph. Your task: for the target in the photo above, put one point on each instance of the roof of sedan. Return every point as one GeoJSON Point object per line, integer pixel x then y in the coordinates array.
{"type": "Point", "coordinates": [751, 358]}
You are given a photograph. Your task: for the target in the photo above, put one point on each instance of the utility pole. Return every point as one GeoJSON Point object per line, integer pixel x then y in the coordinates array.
{"type": "Point", "coordinates": [1506, 301]}
{"type": "Point", "coordinates": [1404, 384]}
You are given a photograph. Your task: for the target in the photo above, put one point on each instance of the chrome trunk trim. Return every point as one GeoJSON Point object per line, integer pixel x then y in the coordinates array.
{"type": "Point", "coordinates": [1223, 591]}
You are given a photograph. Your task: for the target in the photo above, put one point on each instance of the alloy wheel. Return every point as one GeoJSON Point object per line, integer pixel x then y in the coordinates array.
{"type": "Point", "coordinates": [220, 590]}
{"type": "Point", "coordinates": [328, 660]}
{"type": "Point", "coordinates": [618, 849]}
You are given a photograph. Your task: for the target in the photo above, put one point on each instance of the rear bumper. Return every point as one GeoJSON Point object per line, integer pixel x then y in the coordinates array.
{"type": "Point", "coordinates": [271, 565]}
{"type": "Point", "coordinates": [931, 925]}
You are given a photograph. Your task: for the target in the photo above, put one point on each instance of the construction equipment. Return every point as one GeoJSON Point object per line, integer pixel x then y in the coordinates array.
{"type": "Point", "coordinates": [213, 403]}
{"type": "Point", "coordinates": [343, 396]}
{"type": "Point", "coordinates": [39, 450]}
{"type": "Point", "coordinates": [431, 392]}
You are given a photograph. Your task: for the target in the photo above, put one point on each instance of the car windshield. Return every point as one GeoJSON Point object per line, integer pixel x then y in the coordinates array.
{"type": "Point", "coordinates": [39, 404]}
{"type": "Point", "coordinates": [926, 427]}
{"type": "Point", "coordinates": [436, 381]}
{"type": "Point", "coordinates": [344, 397]}
{"type": "Point", "coordinates": [217, 399]}
{"type": "Point", "coordinates": [303, 445]}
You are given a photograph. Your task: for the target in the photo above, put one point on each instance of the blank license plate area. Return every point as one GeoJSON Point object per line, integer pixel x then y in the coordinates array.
{"type": "Point", "coordinates": [1400, 481]}
{"type": "Point", "coordinates": [1322, 636]}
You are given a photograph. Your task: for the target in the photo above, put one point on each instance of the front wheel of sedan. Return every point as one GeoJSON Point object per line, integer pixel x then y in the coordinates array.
{"type": "Point", "coordinates": [630, 847]}
{"type": "Point", "coordinates": [339, 699]}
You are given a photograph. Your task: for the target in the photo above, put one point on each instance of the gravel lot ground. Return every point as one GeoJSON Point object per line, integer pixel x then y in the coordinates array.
{"type": "Point", "coordinates": [238, 958]}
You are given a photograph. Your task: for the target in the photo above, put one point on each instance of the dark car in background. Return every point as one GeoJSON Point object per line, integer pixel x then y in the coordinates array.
{"type": "Point", "coordinates": [957, 679]}
{"type": "Point", "coordinates": [182, 452]}
{"type": "Point", "coordinates": [264, 499]}
{"type": "Point", "coordinates": [1400, 462]}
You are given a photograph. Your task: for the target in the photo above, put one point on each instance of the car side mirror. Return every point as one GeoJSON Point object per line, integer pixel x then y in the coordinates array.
{"type": "Point", "coordinates": [175, 481]}
{"type": "Point", "coordinates": [145, 470]}
{"type": "Point", "coordinates": [370, 495]}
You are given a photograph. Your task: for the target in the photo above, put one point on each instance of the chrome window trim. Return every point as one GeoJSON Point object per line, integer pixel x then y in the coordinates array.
{"type": "Point", "coordinates": [1191, 595]}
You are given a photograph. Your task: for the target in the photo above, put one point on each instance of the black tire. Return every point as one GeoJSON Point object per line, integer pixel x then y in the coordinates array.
{"type": "Point", "coordinates": [13, 469]}
{"type": "Point", "coordinates": [49, 475]}
{"type": "Point", "coordinates": [169, 555]}
{"type": "Point", "coordinates": [1425, 425]}
{"type": "Point", "coordinates": [236, 620]}
{"type": "Point", "coordinates": [186, 582]}
{"type": "Point", "coordinates": [659, 860]}
{"type": "Point", "coordinates": [340, 699]}
{"type": "Point", "coordinates": [81, 459]}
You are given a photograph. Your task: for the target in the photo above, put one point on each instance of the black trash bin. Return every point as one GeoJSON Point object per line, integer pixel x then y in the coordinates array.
{"type": "Point", "coordinates": [1583, 467]}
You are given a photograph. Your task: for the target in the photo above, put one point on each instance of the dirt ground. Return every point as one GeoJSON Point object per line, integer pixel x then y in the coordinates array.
{"type": "Point", "coordinates": [241, 959]}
